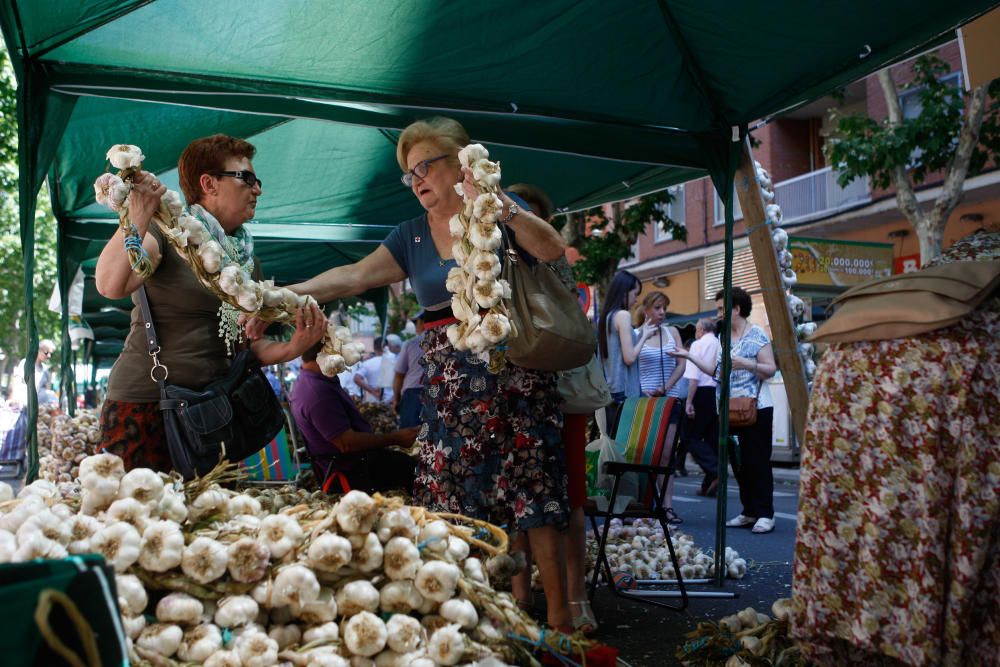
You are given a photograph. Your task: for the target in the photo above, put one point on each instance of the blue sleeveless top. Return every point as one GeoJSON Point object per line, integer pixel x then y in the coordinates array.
{"type": "Point", "coordinates": [622, 378]}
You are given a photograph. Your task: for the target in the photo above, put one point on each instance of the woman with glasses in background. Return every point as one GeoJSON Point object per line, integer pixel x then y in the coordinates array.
{"type": "Point", "coordinates": [221, 190]}
{"type": "Point", "coordinates": [489, 443]}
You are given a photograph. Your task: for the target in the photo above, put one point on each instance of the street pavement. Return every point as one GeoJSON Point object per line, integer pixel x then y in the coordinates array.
{"type": "Point", "coordinates": [648, 636]}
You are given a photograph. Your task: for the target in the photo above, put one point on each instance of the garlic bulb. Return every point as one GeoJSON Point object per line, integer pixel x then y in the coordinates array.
{"type": "Point", "coordinates": [404, 633]}
{"type": "Point", "coordinates": [81, 529]}
{"type": "Point", "coordinates": [243, 504]}
{"type": "Point", "coordinates": [357, 596]}
{"type": "Point", "coordinates": [279, 533]}
{"type": "Point", "coordinates": [205, 560]}
{"type": "Point", "coordinates": [199, 642]}
{"type": "Point", "coordinates": [101, 474]}
{"type": "Point", "coordinates": [133, 625]}
{"type": "Point", "coordinates": [179, 608]}
{"type": "Point", "coordinates": [142, 484]}
{"type": "Point", "coordinates": [130, 511]}
{"type": "Point", "coordinates": [325, 656]}
{"type": "Point", "coordinates": [42, 488]}
{"type": "Point", "coordinates": [164, 640]}
{"type": "Point", "coordinates": [37, 545]}
{"type": "Point", "coordinates": [329, 552]}
{"type": "Point", "coordinates": [224, 658]}
{"type": "Point", "coordinates": [436, 580]}
{"type": "Point", "coordinates": [782, 609]}
{"type": "Point", "coordinates": [446, 645]}
{"type": "Point", "coordinates": [248, 560]}
{"type": "Point", "coordinates": [473, 568]}
{"type": "Point", "coordinates": [162, 546]}
{"type": "Point", "coordinates": [132, 597]}
{"type": "Point", "coordinates": [321, 610]}
{"type": "Point", "coordinates": [172, 506]}
{"type": "Point", "coordinates": [401, 559]}
{"type": "Point", "coordinates": [257, 650]}
{"type": "Point", "coordinates": [328, 632]}
{"type": "Point", "coordinates": [119, 543]}
{"type": "Point", "coordinates": [365, 634]}
{"type": "Point", "coordinates": [235, 610]}
{"type": "Point", "coordinates": [8, 546]}
{"type": "Point", "coordinates": [285, 635]}
{"type": "Point", "coordinates": [356, 512]}
{"type": "Point", "coordinates": [24, 509]}
{"type": "Point", "coordinates": [47, 524]}
{"type": "Point", "coordinates": [6, 492]}
{"type": "Point", "coordinates": [294, 585]}
{"type": "Point", "coordinates": [434, 536]}
{"type": "Point", "coordinates": [399, 597]}
{"type": "Point", "coordinates": [460, 611]}
{"type": "Point", "coordinates": [458, 549]}
{"type": "Point", "coordinates": [368, 556]}
{"type": "Point", "coordinates": [211, 502]}
{"type": "Point", "coordinates": [397, 522]}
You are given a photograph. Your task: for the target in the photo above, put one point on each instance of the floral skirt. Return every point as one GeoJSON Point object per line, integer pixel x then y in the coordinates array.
{"type": "Point", "coordinates": [134, 431]}
{"type": "Point", "coordinates": [490, 444]}
{"type": "Point", "coordinates": [898, 546]}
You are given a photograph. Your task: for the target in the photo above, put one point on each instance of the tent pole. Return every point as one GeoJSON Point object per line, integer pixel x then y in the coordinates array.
{"type": "Point", "coordinates": [779, 317]}
{"type": "Point", "coordinates": [66, 382]}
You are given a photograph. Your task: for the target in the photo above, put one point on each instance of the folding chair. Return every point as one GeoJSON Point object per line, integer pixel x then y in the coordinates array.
{"type": "Point", "coordinates": [279, 462]}
{"type": "Point", "coordinates": [642, 431]}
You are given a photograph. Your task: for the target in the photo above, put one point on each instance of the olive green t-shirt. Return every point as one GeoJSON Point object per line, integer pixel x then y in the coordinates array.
{"type": "Point", "coordinates": [187, 326]}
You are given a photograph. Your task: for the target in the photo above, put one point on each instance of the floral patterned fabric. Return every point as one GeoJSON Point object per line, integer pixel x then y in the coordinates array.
{"type": "Point", "coordinates": [489, 444]}
{"type": "Point", "coordinates": [898, 548]}
{"type": "Point", "coordinates": [134, 431]}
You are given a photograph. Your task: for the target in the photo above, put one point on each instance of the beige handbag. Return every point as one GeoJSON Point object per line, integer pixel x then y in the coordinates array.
{"type": "Point", "coordinates": [910, 304]}
{"type": "Point", "coordinates": [584, 389]}
{"type": "Point", "coordinates": [553, 334]}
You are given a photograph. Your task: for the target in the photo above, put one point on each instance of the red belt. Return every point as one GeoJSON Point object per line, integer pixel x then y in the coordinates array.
{"type": "Point", "coordinates": [440, 323]}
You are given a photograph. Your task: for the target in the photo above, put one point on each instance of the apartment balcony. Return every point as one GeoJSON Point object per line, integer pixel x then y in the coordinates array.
{"type": "Point", "coordinates": [811, 196]}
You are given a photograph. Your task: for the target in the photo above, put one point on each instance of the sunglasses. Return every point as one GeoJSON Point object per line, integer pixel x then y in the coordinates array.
{"type": "Point", "coordinates": [247, 177]}
{"type": "Point", "coordinates": [420, 170]}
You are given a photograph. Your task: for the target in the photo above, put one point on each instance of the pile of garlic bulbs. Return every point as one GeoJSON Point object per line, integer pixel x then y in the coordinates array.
{"type": "Point", "coordinates": [480, 295]}
{"type": "Point", "coordinates": [746, 638]}
{"type": "Point", "coordinates": [640, 549]}
{"type": "Point", "coordinates": [64, 441]}
{"type": "Point", "coordinates": [207, 575]}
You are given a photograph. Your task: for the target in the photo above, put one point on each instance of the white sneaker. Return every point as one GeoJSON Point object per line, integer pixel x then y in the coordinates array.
{"type": "Point", "coordinates": [741, 521]}
{"type": "Point", "coordinates": [763, 525]}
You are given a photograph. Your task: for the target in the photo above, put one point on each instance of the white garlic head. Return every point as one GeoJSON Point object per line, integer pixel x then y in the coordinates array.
{"type": "Point", "coordinates": [368, 556]}
{"type": "Point", "coordinates": [179, 608]}
{"type": "Point", "coordinates": [460, 611]}
{"type": "Point", "coordinates": [404, 633]}
{"type": "Point", "coordinates": [280, 533]}
{"type": "Point", "coordinates": [132, 598]}
{"type": "Point", "coordinates": [357, 596]}
{"type": "Point", "coordinates": [401, 558]}
{"type": "Point", "coordinates": [294, 585]}
{"type": "Point", "coordinates": [356, 512]}
{"type": "Point", "coordinates": [446, 645]}
{"type": "Point", "coordinates": [161, 639]}
{"type": "Point", "coordinates": [119, 543]}
{"type": "Point", "coordinates": [257, 649]}
{"type": "Point", "coordinates": [437, 580]}
{"type": "Point", "coordinates": [162, 546]}
{"type": "Point", "coordinates": [199, 642]}
{"type": "Point", "coordinates": [321, 610]}
{"type": "Point", "coordinates": [236, 610]}
{"type": "Point", "coordinates": [329, 552]}
{"type": "Point", "coordinates": [205, 559]}
{"type": "Point", "coordinates": [248, 560]}
{"type": "Point", "coordinates": [365, 634]}
{"type": "Point", "coordinates": [327, 632]}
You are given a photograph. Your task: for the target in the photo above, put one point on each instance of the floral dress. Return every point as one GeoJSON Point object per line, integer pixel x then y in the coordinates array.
{"type": "Point", "coordinates": [897, 559]}
{"type": "Point", "coordinates": [490, 443]}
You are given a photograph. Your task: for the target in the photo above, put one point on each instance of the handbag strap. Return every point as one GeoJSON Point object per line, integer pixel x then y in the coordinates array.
{"type": "Point", "coordinates": [153, 345]}
{"type": "Point", "coordinates": [663, 374]}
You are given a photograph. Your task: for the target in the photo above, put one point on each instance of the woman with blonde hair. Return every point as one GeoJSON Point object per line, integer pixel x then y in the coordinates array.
{"type": "Point", "coordinates": [489, 443]}
{"type": "Point", "coordinates": [660, 374]}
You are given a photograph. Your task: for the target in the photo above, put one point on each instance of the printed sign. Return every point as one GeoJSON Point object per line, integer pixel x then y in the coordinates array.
{"type": "Point", "coordinates": [838, 263]}
{"type": "Point", "coordinates": [907, 264]}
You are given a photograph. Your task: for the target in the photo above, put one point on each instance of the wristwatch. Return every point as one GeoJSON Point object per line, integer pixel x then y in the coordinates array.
{"type": "Point", "coordinates": [511, 213]}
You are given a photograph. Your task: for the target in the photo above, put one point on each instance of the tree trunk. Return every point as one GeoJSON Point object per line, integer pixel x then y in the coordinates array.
{"type": "Point", "coordinates": [930, 225]}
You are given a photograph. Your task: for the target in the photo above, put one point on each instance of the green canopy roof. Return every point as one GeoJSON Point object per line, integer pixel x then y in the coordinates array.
{"type": "Point", "coordinates": [593, 101]}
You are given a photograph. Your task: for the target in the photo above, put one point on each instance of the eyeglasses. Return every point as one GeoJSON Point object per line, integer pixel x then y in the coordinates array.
{"type": "Point", "coordinates": [420, 170]}
{"type": "Point", "coordinates": [247, 177]}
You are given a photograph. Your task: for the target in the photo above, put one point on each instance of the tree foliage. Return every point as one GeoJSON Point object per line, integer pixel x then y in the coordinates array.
{"type": "Point", "coordinates": [604, 242]}
{"type": "Point", "coordinates": [13, 338]}
{"type": "Point", "coordinates": [904, 152]}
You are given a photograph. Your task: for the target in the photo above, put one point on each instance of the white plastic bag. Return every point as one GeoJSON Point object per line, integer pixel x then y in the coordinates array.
{"type": "Point", "coordinates": [609, 450]}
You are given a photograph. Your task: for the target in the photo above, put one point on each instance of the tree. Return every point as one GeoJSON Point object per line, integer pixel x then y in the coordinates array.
{"type": "Point", "coordinates": [603, 243]}
{"type": "Point", "coordinates": [13, 341]}
{"type": "Point", "coordinates": [954, 134]}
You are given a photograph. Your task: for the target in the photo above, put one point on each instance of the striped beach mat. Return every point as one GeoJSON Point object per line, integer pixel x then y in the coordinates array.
{"type": "Point", "coordinates": [642, 431]}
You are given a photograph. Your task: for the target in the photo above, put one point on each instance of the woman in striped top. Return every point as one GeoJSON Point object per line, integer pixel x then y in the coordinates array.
{"type": "Point", "coordinates": [660, 374]}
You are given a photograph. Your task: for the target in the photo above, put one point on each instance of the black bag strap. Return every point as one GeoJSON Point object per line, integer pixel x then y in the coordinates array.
{"type": "Point", "coordinates": [153, 345]}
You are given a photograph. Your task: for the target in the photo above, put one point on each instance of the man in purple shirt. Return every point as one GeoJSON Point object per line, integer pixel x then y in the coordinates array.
{"type": "Point", "coordinates": [340, 440]}
{"type": "Point", "coordinates": [409, 377]}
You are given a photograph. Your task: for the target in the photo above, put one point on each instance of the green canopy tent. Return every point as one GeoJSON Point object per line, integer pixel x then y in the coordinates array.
{"type": "Point", "coordinates": [594, 101]}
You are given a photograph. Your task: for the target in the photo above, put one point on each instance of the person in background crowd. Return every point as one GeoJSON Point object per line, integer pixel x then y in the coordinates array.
{"type": "Point", "coordinates": [387, 371]}
{"type": "Point", "coordinates": [367, 375]}
{"type": "Point", "coordinates": [702, 412]}
{"type": "Point", "coordinates": [340, 440]}
{"type": "Point", "coordinates": [752, 363]}
{"type": "Point", "coordinates": [618, 345]}
{"type": "Point", "coordinates": [18, 388]}
{"type": "Point", "coordinates": [489, 445]}
{"type": "Point", "coordinates": [409, 374]}
{"type": "Point", "coordinates": [221, 189]}
{"type": "Point", "coordinates": [574, 437]}
{"type": "Point", "coordinates": [659, 375]}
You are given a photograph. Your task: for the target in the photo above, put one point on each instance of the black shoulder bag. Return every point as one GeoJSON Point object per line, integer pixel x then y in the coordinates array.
{"type": "Point", "coordinates": [232, 418]}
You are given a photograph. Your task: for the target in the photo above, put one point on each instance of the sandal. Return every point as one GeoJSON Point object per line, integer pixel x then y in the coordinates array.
{"type": "Point", "coordinates": [672, 517]}
{"type": "Point", "coordinates": [585, 622]}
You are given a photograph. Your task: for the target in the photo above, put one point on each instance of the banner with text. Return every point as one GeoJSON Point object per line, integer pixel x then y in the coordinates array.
{"type": "Point", "coordinates": [839, 263]}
